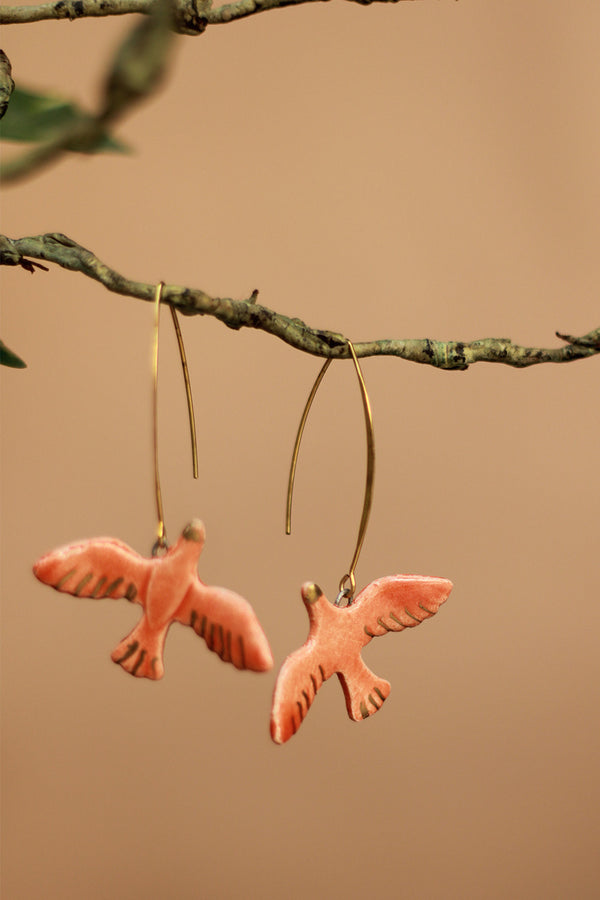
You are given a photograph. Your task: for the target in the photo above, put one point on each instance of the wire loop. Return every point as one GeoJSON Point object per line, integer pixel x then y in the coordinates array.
{"type": "Point", "coordinates": [348, 582]}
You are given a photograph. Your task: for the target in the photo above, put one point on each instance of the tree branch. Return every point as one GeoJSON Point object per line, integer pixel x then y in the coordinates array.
{"type": "Point", "coordinates": [7, 84]}
{"type": "Point", "coordinates": [144, 51]}
{"type": "Point", "coordinates": [232, 11]}
{"type": "Point", "coordinates": [70, 9]}
{"type": "Point", "coordinates": [61, 250]}
{"type": "Point", "coordinates": [191, 16]}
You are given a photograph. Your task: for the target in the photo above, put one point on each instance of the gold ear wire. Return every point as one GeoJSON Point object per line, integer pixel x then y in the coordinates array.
{"type": "Point", "coordinates": [290, 491]}
{"type": "Point", "coordinates": [188, 390]}
{"type": "Point", "coordinates": [161, 541]}
{"type": "Point", "coordinates": [348, 582]}
{"type": "Point", "coordinates": [370, 478]}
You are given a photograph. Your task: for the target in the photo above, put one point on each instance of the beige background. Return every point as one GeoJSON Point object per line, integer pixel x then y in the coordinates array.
{"type": "Point", "coordinates": [425, 169]}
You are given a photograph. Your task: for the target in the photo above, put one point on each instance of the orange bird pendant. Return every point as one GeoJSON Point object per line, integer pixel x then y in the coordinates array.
{"type": "Point", "coordinates": [169, 590]}
{"type": "Point", "coordinates": [335, 640]}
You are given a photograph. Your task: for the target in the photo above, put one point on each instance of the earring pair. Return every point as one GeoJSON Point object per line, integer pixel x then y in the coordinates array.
{"type": "Point", "coordinates": [169, 590]}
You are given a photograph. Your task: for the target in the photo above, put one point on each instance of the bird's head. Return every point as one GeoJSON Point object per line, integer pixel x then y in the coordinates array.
{"type": "Point", "coordinates": [194, 531]}
{"type": "Point", "coordinates": [192, 540]}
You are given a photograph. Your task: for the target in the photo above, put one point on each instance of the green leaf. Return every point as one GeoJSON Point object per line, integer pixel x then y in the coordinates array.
{"type": "Point", "coordinates": [8, 358]}
{"type": "Point", "coordinates": [37, 117]}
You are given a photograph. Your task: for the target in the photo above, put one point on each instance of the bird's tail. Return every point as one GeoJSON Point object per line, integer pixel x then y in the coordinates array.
{"type": "Point", "coordinates": [365, 693]}
{"type": "Point", "coordinates": [141, 652]}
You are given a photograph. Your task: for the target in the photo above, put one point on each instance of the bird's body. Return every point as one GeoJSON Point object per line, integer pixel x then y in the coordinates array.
{"type": "Point", "coordinates": [169, 590]}
{"type": "Point", "coordinates": [336, 638]}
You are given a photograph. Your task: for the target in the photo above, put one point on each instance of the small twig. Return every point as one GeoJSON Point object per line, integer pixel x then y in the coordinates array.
{"type": "Point", "coordinates": [30, 266]}
{"type": "Point", "coordinates": [591, 340]}
{"type": "Point", "coordinates": [61, 250]}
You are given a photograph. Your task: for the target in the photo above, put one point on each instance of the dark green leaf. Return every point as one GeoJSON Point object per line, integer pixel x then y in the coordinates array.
{"type": "Point", "coordinates": [8, 358]}
{"type": "Point", "coordinates": [41, 117]}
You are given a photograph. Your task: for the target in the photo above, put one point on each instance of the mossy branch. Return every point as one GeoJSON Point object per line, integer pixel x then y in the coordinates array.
{"type": "Point", "coordinates": [190, 16]}
{"type": "Point", "coordinates": [62, 251]}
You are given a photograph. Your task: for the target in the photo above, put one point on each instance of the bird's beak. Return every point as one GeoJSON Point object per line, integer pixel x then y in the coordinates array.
{"type": "Point", "coordinates": [311, 592]}
{"type": "Point", "coordinates": [194, 532]}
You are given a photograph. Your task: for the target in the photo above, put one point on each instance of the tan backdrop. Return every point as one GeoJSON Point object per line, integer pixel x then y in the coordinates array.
{"type": "Point", "coordinates": [421, 169]}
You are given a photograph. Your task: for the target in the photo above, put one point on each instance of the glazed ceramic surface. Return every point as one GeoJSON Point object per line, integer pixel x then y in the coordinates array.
{"type": "Point", "coordinates": [169, 590]}
{"type": "Point", "coordinates": [336, 638]}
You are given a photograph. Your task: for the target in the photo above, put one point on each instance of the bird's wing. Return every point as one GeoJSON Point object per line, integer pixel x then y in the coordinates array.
{"type": "Point", "coordinates": [101, 567]}
{"type": "Point", "coordinates": [397, 602]}
{"type": "Point", "coordinates": [228, 624]}
{"type": "Point", "coordinates": [299, 679]}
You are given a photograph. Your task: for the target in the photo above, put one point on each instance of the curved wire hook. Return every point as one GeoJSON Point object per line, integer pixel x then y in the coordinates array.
{"type": "Point", "coordinates": [348, 582]}
{"type": "Point", "coordinates": [161, 543]}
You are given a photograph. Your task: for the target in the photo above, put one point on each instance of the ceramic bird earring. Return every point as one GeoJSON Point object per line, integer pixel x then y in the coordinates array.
{"type": "Point", "coordinates": [338, 632]}
{"type": "Point", "coordinates": [166, 585]}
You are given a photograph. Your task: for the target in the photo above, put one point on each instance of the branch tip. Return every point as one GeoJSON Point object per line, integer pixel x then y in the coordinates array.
{"type": "Point", "coordinates": [591, 340]}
